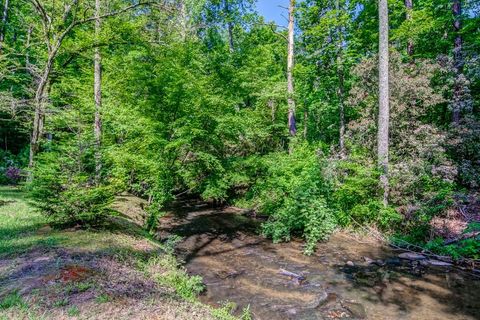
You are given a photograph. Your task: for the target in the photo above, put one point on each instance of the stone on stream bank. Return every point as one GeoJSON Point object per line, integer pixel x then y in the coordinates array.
{"type": "Point", "coordinates": [411, 256]}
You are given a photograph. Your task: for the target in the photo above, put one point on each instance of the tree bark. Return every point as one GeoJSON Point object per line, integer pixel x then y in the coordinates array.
{"type": "Point", "coordinates": [341, 89]}
{"type": "Point", "coordinates": [458, 61]}
{"type": "Point", "coordinates": [290, 64]}
{"type": "Point", "coordinates": [305, 124]}
{"type": "Point", "coordinates": [229, 27]}
{"type": "Point", "coordinates": [27, 50]}
{"type": "Point", "coordinates": [97, 127]}
{"type": "Point", "coordinates": [4, 24]}
{"type": "Point", "coordinates": [39, 105]}
{"type": "Point", "coordinates": [384, 109]}
{"type": "Point", "coordinates": [183, 20]}
{"type": "Point", "coordinates": [409, 9]}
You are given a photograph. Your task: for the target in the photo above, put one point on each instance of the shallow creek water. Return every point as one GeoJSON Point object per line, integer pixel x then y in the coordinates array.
{"type": "Point", "coordinates": [238, 265]}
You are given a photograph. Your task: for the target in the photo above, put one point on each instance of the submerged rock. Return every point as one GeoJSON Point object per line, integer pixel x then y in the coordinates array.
{"type": "Point", "coordinates": [356, 309]}
{"type": "Point", "coordinates": [292, 312]}
{"type": "Point", "coordinates": [318, 301]}
{"type": "Point", "coordinates": [393, 262]}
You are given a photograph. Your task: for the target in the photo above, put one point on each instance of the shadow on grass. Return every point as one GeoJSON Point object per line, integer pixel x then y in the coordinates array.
{"type": "Point", "coordinates": [12, 192]}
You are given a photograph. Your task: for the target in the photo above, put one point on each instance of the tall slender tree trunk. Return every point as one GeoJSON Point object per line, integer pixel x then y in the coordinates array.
{"type": "Point", "coordinates": [39, 106]}
{"type": "Point", "coordinates": [341, 110]}
{"type": "Point", "coordinates": [341, 82]}
{"type": "Point", "coordinates": [97, 127]}
{"type": "Point", "coordinates": [409, 9]}
{"type": "Point", "coordinates": [384, 109]}
{"type": "Point", "coordinates": [305, 124]}
{"type": "Point", "coordinates": [27, 50]}
{"type": "Point", "coordinates": [4, 24]}
{"type": "Point", "coordinates": [292, 125]}
{"type": "Point", "coordinates": [458, 61]}
{"type": "Point", "coordinates": [229, 27]}
{"type": "Point", "coordinates": [183, 20]}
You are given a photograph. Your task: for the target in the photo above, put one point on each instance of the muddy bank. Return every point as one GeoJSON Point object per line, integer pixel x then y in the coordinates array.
{"type": "Point", "coordinates": [343, 279]}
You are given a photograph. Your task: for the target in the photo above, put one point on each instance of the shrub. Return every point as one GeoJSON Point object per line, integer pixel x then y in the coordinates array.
{"type": "Point", "coordinates": [294, 193]}
{"type": "Point", "coordinates": [167, 271]}
{"type": "Point", "coordinates": [67, 197]}
{"type": "Point", "coordinates": [13, 174]}
{"type": "Point", "coordinates": [10, 172]}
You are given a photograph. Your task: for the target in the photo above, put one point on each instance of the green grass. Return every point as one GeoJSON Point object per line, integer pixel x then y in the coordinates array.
{"type": "Point", "coordinates": [18, 223]}
{"type": "Point", "coordinates": [73, 311]}
{"type": "Point", "coordinates": [23, 229]}
{"type": "Point", "coordinates": [103, 298]}
{"type": "Point", "coordinates": [12, 300]}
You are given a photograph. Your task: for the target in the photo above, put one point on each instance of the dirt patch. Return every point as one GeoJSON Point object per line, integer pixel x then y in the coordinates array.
{"type": "Point", "coordinates": [74, 273]}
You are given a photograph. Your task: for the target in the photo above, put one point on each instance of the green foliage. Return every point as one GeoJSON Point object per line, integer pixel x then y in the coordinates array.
{"type": "Point", "coordinates": [12, 300]}
{"type": "Point", "coordinates": [102, 298]}
{"type": "Point", "coordinates": [227, 310]}
{"type": "Point", "coordinates": [151, 223]}
{"type": "Point", "coordinates": [173, 275]}
{"type": "Point", "coordinates": [194, 102]}
{"type": "Point", "coordinates": [10, 167]}
{"type": "Point", "coordinates": [293, 193]}
{"type": "Point", "coordinates": [468, 248]}
{"type": "Point", "coordinates": [73, 311]}
{"type": "Point", "coordinates": [65, 198]}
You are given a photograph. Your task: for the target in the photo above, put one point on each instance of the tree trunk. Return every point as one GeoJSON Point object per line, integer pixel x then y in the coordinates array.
{"type": "Point", "coordinates": [458, 61]}
{"type": "Point", "coordinates": [183, 20]}
{"type": "Point", "coordinates": [229, 27]}
{"type": "Point", "coordinates": [4, 24]}
{"type": "Point", "coordinates": [39, 105]}
{"type": "Point", "coordinates": [290, 64]}
{"type": "Point", "coordinates": [384, 109]}
{"type": "Point", "coordinates": [409, 9]}
{"type": "Point", "coordinates": [98, 97]}
{"type": "Point", "coordinates": [271, 104]}
{"type": "Point", "coordinates": [27, 50]}
{"type": "Point", "coordinates": [341, 113]}
{"type": "Point", "coordinates": [305, 124]}
{"type": "Point", "coordinates": [341, 89]}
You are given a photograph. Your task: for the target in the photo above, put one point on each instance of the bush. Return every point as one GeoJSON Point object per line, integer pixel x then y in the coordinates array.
{"type": "Point", "coordinates": [10, 172]}
{"type": "Point", "coordinates": [167, 271]}
{"type": "Point", "coordinates": [356, 196]}
{"type": "Point", "coordinates": [294, 193]}
{"type": "Point", "coordinates": [67, 197]}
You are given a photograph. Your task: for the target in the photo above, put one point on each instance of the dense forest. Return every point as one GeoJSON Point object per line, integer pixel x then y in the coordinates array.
{"type": "Point", "coordinates": [356, 113]}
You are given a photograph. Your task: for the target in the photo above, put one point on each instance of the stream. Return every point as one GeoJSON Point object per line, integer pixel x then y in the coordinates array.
{"type": "Point", "coordinates": [344, 279]}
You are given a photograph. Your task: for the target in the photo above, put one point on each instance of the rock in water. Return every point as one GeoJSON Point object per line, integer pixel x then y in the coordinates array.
{"type": "Point", "coordinates": [356, 309]}
{"type": "Point", "coordinates": [292, 312]}
{"type": "Point", "coordinates": [350, 264]}
{"type": "Point", "coordinates": [411, 256]}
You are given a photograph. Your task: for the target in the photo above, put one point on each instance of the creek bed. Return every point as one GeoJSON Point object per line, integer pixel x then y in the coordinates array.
{"type": "Point", "coordinates": [341, 282]}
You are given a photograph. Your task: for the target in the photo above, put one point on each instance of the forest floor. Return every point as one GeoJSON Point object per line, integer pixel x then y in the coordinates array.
{"type": "Point", "coordinates": [112, 273]}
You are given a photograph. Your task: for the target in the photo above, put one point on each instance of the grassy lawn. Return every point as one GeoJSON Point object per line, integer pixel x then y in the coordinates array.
{"type": "Point", "coordinates": [111, 273]}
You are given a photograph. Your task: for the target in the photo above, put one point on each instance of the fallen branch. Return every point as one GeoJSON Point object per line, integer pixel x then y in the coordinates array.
{"type": "Point", "coordinates": [292, 275]}
{"type": "Point", "coordinates": [462, 237]}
